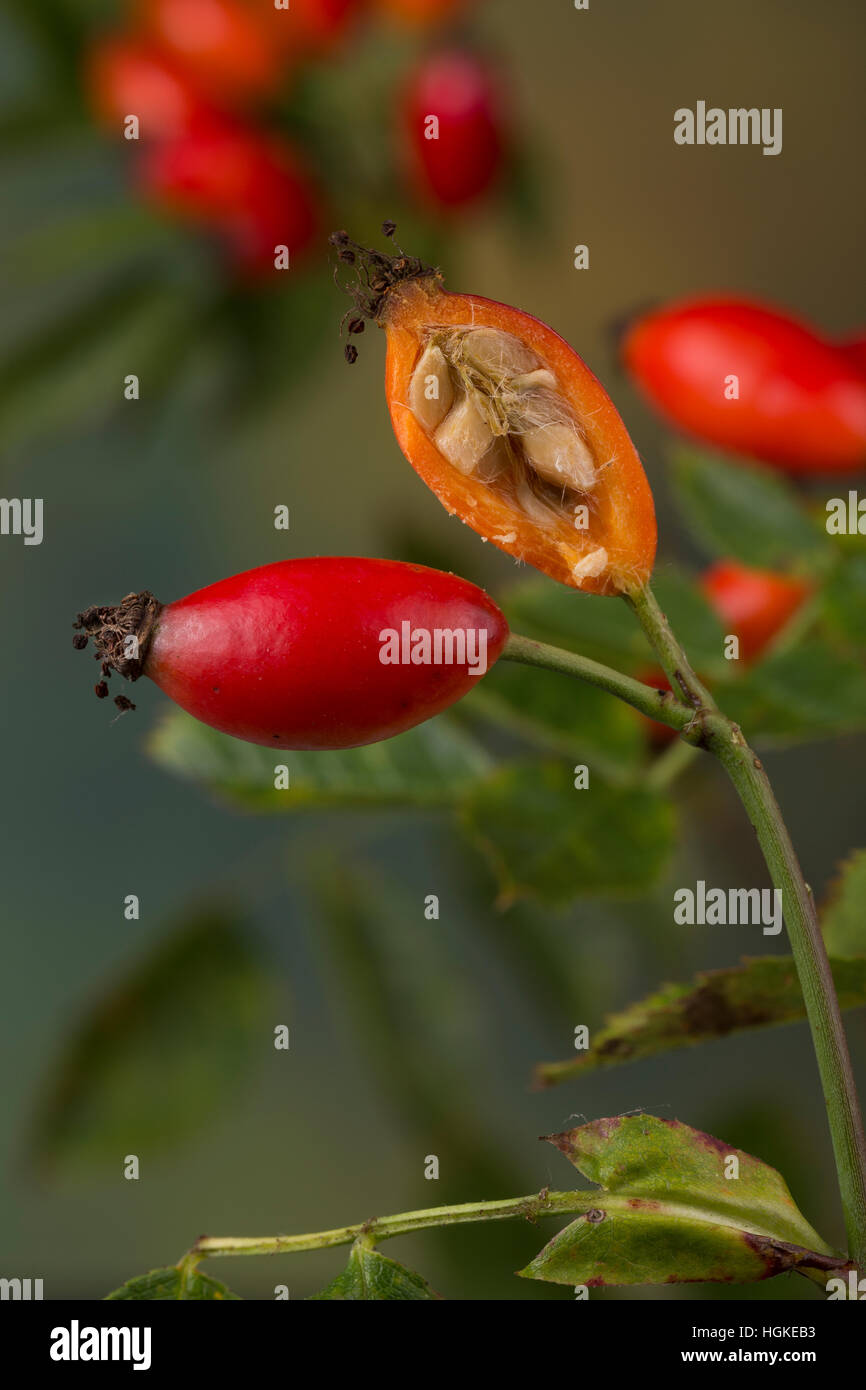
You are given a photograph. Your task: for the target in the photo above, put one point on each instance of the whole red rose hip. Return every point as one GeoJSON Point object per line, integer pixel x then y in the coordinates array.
{"type": "Point", "coordinates": [331, 652]}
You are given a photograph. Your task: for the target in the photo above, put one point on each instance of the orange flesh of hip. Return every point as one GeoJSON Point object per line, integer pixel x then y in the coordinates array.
{"type": "Point", "coordinates": [621, 512]}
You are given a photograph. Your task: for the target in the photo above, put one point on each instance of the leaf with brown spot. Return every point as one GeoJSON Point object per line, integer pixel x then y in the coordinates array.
{"type": "Point", "coordinates": [760, 992]}
{"type": "Point", "coordinates": [669, 1211]}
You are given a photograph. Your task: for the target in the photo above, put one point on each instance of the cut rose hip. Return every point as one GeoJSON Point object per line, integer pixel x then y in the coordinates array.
{"type": "Point", "coordinates": [330, 652]}
{"type": "Point", "coordinates": [508, 426]}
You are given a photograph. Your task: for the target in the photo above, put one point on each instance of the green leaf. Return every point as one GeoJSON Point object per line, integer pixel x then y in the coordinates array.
{"type": "Point", "coordinates": [844, 916]}
{"type": "Point", "coordinates": [545, 838]}
{"type": "Point", "coordinates": [427, 766]}
{"type": "Point", "coordinates": [757, 994]}
{"type": "Point", "coordinates": [174, 1282]}
{"type": "Point", "coordinates": [158, 1054]}
{"type": "Point", "coordinates": [562, 716]}
{"type": "Point", "coordinates": [597, 627]}
{"type": "Point", "coordinates": [607, 632]}
{"type": "Point", "coordinates": [744, 512]}
{"type": "Point", "coordinates": [810, 691]}
{"type": "Point", "coordinates": [670, 1212]}
{"type": "Point", "coordinates": [369, 1275]}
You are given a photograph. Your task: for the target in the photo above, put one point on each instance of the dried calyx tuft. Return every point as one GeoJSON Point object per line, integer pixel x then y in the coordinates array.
{"type": "Point", "coordinates": [121, 636]}
{"type": "Point", "coordinates": [374, 274]}
{"type": "Point", "coordinates": [498, 414]}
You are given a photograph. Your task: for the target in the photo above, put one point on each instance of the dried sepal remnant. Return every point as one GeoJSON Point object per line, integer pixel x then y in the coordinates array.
{"type": "Point", "coordinates": [498, 414]}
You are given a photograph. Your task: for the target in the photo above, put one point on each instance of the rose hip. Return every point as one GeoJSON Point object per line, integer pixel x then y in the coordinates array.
{"type": "Point", "coordinates": [507, 425]}
{"type": "Point", "coordinates": [750, 379]}
{"type": "Point", "coordinates": [754, 604]}
{"type": "Point", "coordinates": [228, 46]}
{"type": "Point", "coordinates": [127, 77]}
{"type": "Point", "coordinates": [252, 189]}
{"type": "Point", "coordinates": [453, 129]}
{"type": "Point", "coordinates": [331, 652]}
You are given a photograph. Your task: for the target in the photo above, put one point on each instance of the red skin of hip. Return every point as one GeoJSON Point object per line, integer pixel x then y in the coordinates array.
{"type": "Point", "coordinates": [287, 655]}
{"type": "Point", "coordinates": [802, 403]}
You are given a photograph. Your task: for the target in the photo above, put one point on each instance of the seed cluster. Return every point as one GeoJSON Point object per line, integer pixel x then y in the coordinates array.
{"type": "Point", "coordinates": [497, 414]}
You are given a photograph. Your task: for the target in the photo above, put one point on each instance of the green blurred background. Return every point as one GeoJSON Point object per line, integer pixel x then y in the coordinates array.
{"type": "Point", "coordinates": [245, 406]}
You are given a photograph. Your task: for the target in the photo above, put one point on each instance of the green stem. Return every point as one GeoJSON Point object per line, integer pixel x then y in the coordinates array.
{"type": "Point", "coordinates": [541, 1204]}
{"type": "Point", "coordinates": [724, 739]}
{"type": "Point", "coordinates": [655, 704]}
{"type": "Point", "coordinates": [385, 1227]}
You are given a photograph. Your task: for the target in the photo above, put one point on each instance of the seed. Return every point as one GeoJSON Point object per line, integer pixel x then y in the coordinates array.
{"type": "Point", "coordinates": [351, 352]}
{"type": "Point", "coordinates": [431, 394]}
{"type": "Point", "coordinates": [532, 506]}
{"type": "Point", "coordinates": [558, 453]}
{"type": "Point", "coordinates": [464, 436]}
{"type": "Point", "coordinates": [79, 641]}
{"type": "Point", "coordinates": [100, 690]}
{"type": "Point", "coordinates": [539, 380]}
{"type": "Point", "coordinates": [356, 325]}
{"type": "Point", "coordinates": [591, 565]}
{"type": "Point", "coordinates": [497, 354]}
{"type": "Point", "coordinates": [495, 463]}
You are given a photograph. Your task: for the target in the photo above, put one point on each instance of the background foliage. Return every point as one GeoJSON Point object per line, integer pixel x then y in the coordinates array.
{"type": "Point", "coordinates": [408, 1037]}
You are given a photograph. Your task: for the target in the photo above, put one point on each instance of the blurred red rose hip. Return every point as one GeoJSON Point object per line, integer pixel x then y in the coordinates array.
{"type": "Point", "coordinates": [854, 350]}
{"type": "Point", "coordinates": [421, 14]}
{"type": "Point", "coordinates": [453, 129]}
{"type": "Point", "coordinates": [229, 46]}
{"type": "Point", "coordinates": [129, 77]}
{"type": "Point", "coordinates": [252, 189]}
{"type": "Point", "coordinates": [754, 604]}
{"type": "Point", "coordinates": [752, 380]}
